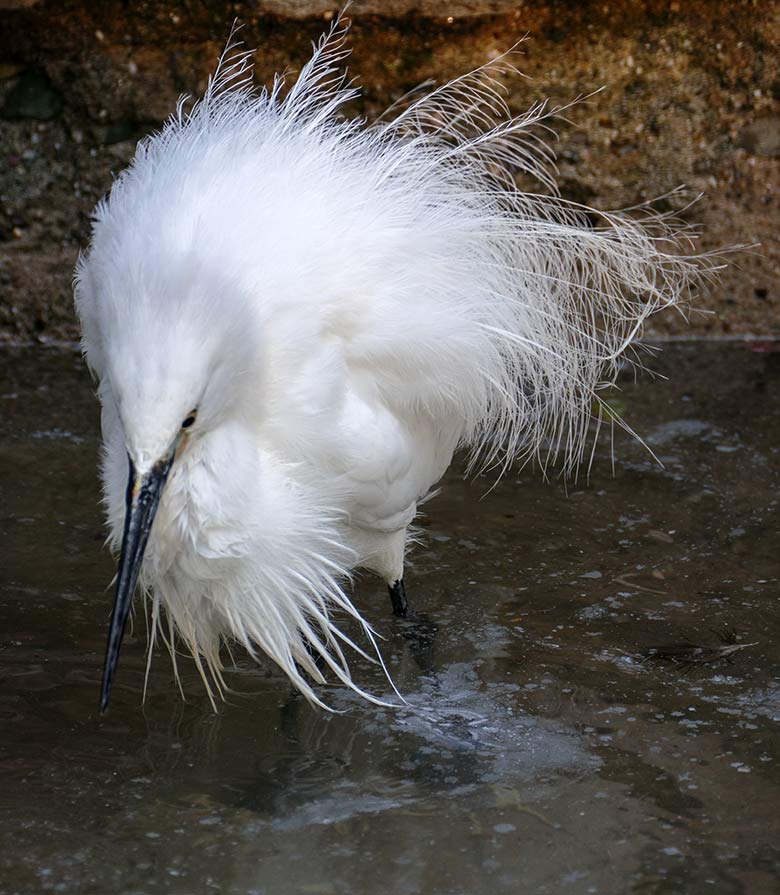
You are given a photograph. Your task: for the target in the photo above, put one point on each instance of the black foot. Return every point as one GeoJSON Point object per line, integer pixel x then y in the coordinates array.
{"type": "Point", "coordinates": [398, 596]}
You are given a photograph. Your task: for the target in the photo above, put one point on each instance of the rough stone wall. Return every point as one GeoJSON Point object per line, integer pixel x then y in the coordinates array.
{"type": "Point", "coordinates": [692, 96]}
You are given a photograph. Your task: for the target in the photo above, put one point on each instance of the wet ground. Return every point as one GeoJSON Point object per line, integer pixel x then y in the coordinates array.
{"type": "Point", "coordinates": [540, 754]}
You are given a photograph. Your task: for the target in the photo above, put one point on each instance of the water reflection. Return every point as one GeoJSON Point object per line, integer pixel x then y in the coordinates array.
{"type": "Point", "coordinates": [537, 751]}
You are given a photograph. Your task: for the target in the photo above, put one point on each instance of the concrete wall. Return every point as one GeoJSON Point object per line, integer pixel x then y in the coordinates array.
{"type": "Point", "coordinates": [692, 97]}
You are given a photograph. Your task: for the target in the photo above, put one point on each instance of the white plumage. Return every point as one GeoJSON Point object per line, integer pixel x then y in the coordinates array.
{"type": "Point", "coordinates": [340, 307]}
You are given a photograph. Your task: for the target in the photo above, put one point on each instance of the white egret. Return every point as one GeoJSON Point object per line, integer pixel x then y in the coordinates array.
{"type": "Point", "coordinates": [295, 319]}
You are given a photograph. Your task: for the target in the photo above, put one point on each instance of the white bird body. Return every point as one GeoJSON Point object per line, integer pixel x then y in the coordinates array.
{"type": "Point", "coordinates": [342, 307]}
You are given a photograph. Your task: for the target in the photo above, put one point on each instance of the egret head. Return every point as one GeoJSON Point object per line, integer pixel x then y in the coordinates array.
{"type": "Point", "coordinates": [155, 432]}
{"type": "Point", "coordinates": [173, 358]}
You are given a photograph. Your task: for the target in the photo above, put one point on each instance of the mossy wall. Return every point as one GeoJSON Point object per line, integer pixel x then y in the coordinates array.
{"type": "Point", "coordinates": [692, 96]}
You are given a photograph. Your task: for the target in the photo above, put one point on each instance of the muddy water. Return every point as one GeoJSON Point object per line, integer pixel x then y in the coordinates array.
{"type": "Point", "coordinates": [539, 753]}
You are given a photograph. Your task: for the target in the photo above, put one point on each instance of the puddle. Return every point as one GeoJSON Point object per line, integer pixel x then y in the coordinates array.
{"type": "Point", "coordinates": [538, 752]}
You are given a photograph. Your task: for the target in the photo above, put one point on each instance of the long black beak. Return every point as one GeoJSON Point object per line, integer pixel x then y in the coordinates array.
{"type": "Point", "coordinates": [141, 502]}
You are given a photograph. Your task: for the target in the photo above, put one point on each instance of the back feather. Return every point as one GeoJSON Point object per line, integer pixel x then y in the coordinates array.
{"type": "Point", "coordinates": [566, 289]}
{"type": "Point", "coordinates": [551, 293]}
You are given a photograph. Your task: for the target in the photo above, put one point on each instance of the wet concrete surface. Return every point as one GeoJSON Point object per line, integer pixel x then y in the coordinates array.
{"type": "Point", "coordinates": [540, 753]}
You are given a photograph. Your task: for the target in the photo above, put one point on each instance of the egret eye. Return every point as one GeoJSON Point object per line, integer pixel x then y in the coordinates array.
{"type": "Point", "coordinates": [190, 419]}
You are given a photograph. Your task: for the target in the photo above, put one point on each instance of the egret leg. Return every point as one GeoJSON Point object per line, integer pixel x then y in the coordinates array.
{"type": "Point", "coordinates": [398, 597]}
